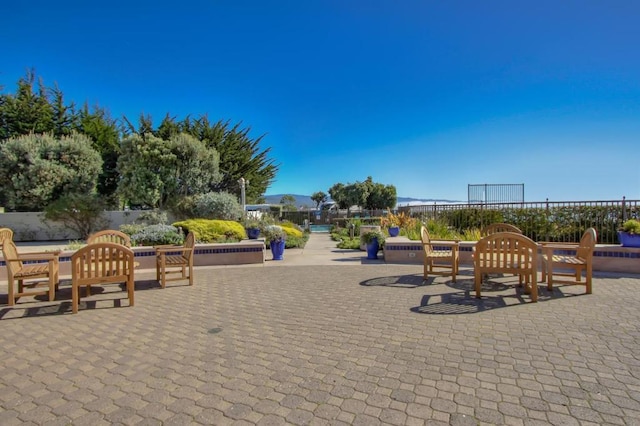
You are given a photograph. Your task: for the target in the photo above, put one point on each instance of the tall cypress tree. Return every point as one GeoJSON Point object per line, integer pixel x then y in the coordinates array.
{"type": "Point", "coordinates": [104, 133]}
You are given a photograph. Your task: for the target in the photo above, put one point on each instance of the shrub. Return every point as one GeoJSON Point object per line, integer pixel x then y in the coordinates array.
{"type": "Point", "coordinates": [296, 242]}
{"type": "Point", "coordinates": [369, 236]}
{"type": "Point", "coordinates": [131, 228]}
{"type": "Point", "coordinates": [152, 217]}
{"type": "Point", "coordinates": [217, 205]}
{"type": "Point", "coordinates": [631, 226]}
{"type": "Point", "coordinates": [402, 220]}
{"type": "Point", "coordinates": [349, 243]}
{"type": "Point", "coordinates": [154, 235]}
{"type": "Point", "coordinates": [292, 230]}
{"type": "Point", "coordinates": [472, 234]}
{"type": "Point", "coordinates": [212, 231]}
{"type": "Point", "coordinates": [81, 213]}
{"type": "Point", "coordinates": [36, 170]}
{"type": "Point", "coordinates": [274, 233]}
{"type": "Point", "coordinates": [439, 229]}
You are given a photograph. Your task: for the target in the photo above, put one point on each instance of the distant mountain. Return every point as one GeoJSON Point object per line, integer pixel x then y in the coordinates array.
{"type": "Point", "coordinates": [301, 200]}
{"type": "Point", "coordinates": [306, 201]}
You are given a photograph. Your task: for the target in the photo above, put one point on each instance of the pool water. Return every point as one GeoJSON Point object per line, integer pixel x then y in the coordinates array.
{"type": "Point", "coordinates": [319, 228]}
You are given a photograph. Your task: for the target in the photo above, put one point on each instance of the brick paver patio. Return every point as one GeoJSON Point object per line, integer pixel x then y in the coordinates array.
{"type": "Point", "coordinates": [350, 343]}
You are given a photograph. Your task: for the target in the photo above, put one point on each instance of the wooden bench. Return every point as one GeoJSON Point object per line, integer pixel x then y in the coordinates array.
{"type": "Point", "coordinates": [507, 253]}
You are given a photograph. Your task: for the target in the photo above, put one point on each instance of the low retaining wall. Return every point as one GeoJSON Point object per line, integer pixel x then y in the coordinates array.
{"type": "Point", "coordinates": [606, 258]}
{"type": "Point", "coordinates": [242, 253]}
{"type": "Point", "coordinates": [31, 226]}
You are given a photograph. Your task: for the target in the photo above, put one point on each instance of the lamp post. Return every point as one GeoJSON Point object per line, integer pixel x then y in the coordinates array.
{"type": "Point", "coordinates": [243, 200]}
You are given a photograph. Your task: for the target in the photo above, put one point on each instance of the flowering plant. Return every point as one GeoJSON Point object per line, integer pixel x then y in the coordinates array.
{"type": "Point", "coordinates": [274, 233]}
{"type": "Point", "coordinates": [401, 220]}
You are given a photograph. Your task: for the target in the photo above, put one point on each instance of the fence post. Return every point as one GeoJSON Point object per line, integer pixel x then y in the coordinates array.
{"type": "Point", "coordinates": [624, 209]}
{"type": "Point", "coordinates": [546, 230]}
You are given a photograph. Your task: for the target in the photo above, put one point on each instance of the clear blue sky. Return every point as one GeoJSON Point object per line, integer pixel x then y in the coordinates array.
{"type": "Point", "coordinates": [428, 96]}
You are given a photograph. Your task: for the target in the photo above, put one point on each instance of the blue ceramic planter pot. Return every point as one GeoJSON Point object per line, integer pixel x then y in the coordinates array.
{"type": "Point", "coordinates": [372, 249]}
{"type": "Point", "coordinates": [253, 233]}
{"type": "Point", "coordinates": [394, 231]}
{"type": "Point", "coordinates": [629, 240]}
{"type": "Point", "coordinates": [277, 249]}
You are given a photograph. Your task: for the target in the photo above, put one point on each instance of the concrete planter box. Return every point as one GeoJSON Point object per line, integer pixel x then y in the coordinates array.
{"type": "Point", "coordinates": [606, 257]}
{"type": "Point", "coordinates": [242, 253]}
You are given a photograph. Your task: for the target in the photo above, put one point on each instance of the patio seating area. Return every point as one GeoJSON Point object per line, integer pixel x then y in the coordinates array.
{"type": "Point", "coordinates": [326, 337]}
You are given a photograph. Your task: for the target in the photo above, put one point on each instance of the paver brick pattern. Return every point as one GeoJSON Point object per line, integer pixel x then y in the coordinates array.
{"type": "Point", "coordinates": [360, 344]}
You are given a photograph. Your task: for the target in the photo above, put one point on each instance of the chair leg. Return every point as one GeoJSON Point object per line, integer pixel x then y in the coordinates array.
{"type": "Point", "coordinates": [549, 273]}
{"type": "Point", "coordinates": [477, 281]}
{"type": "Point", "coordinates": [75, 298]}
{"type": "Point", "coordinates": [163, 272]}
{"type": "Point", "coordinates": [589, 277]}
{"type": "Point", "coordinates": [130, 288]}
{"type": "Point", "coordinates": [11, 292]}
{"type": "Point", "coordinates": [52, 288]}
{"type": "Point", "coordinates": [454, 267]}
{"type": "Point", "coordinates": [533, 285]}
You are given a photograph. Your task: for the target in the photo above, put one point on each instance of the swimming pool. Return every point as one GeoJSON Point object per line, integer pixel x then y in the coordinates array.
{"type": "Point", "coordinates": [319, 228]}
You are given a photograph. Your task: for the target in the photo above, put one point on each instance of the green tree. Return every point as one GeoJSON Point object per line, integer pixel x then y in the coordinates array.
{"type": "Point", "coordinates": [289, 202]}
{"type": "Point", "coordinates": [338, 195]}
{"type": "Point", "coordinates": [319, 198]}
{"type": "Point", "coordinates": [97, 124]}
{"type": "Point", "coordinates": [380, 196]}
{"type": "Point", "coordinates": [241, 156]}
{"type": "Point", "coordinates": [64, 117]}
{"type": "Point", "coordinates": [351, 194]}
{"type": "Point", "coordinates": [367, 194]}
{"type": "Point", "coordinates": [158, 172]}
{"type": "Point", "coordinates": [35, 170]}
{"type": "Point", "coordinates": [81, 213]}
{"type": "Point", "coordinates": [28, 111]}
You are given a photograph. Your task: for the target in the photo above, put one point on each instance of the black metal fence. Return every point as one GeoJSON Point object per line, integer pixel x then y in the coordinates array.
{"type": "Point", "coordinates": [495, 193]}
{"type": "Point", "coordinates": [541, 221]}
{"type": "Point", "coordinates": [563, 221]}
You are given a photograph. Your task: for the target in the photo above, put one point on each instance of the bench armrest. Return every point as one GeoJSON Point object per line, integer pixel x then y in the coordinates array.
{"type": "Point", "coordinates": [37, 256]}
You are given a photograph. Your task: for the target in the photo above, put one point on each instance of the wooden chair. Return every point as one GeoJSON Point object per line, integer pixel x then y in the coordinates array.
{"type": "Point", "coordinates": [110, 236]}
{"type": "Point", "coordinates": [578, 262]}
{"type": "Point", "coordinates": [445, 256]}
{"type": "Point", "coordinates": [40, 265]}
{"type": "Point", "coordinates": [507, 253]}
{"type": "Point", "coordinates": [499, 227]}
{"type": "Point", "coordinates": [175, 260]}
{"type": "Point", "coordinates": [101, 263]}
{"type": "Point", "coordinates": [5, 234]}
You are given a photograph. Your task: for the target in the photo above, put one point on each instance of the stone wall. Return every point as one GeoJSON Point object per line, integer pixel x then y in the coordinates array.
{"type": "Point", "coordinates": [30, 226]}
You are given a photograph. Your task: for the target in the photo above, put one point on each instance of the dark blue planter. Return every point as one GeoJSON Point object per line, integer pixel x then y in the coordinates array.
{"type": "Point", "coordinates": [253, 233]}
{"type": "Point", "coordinates": [394, 231]}
{"type": "Point", "coordinates": [629, 240]}
{"type": "Point", "coordinates": [277, 249]}
{"type": "Point", "coordinates": [372, 249]}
